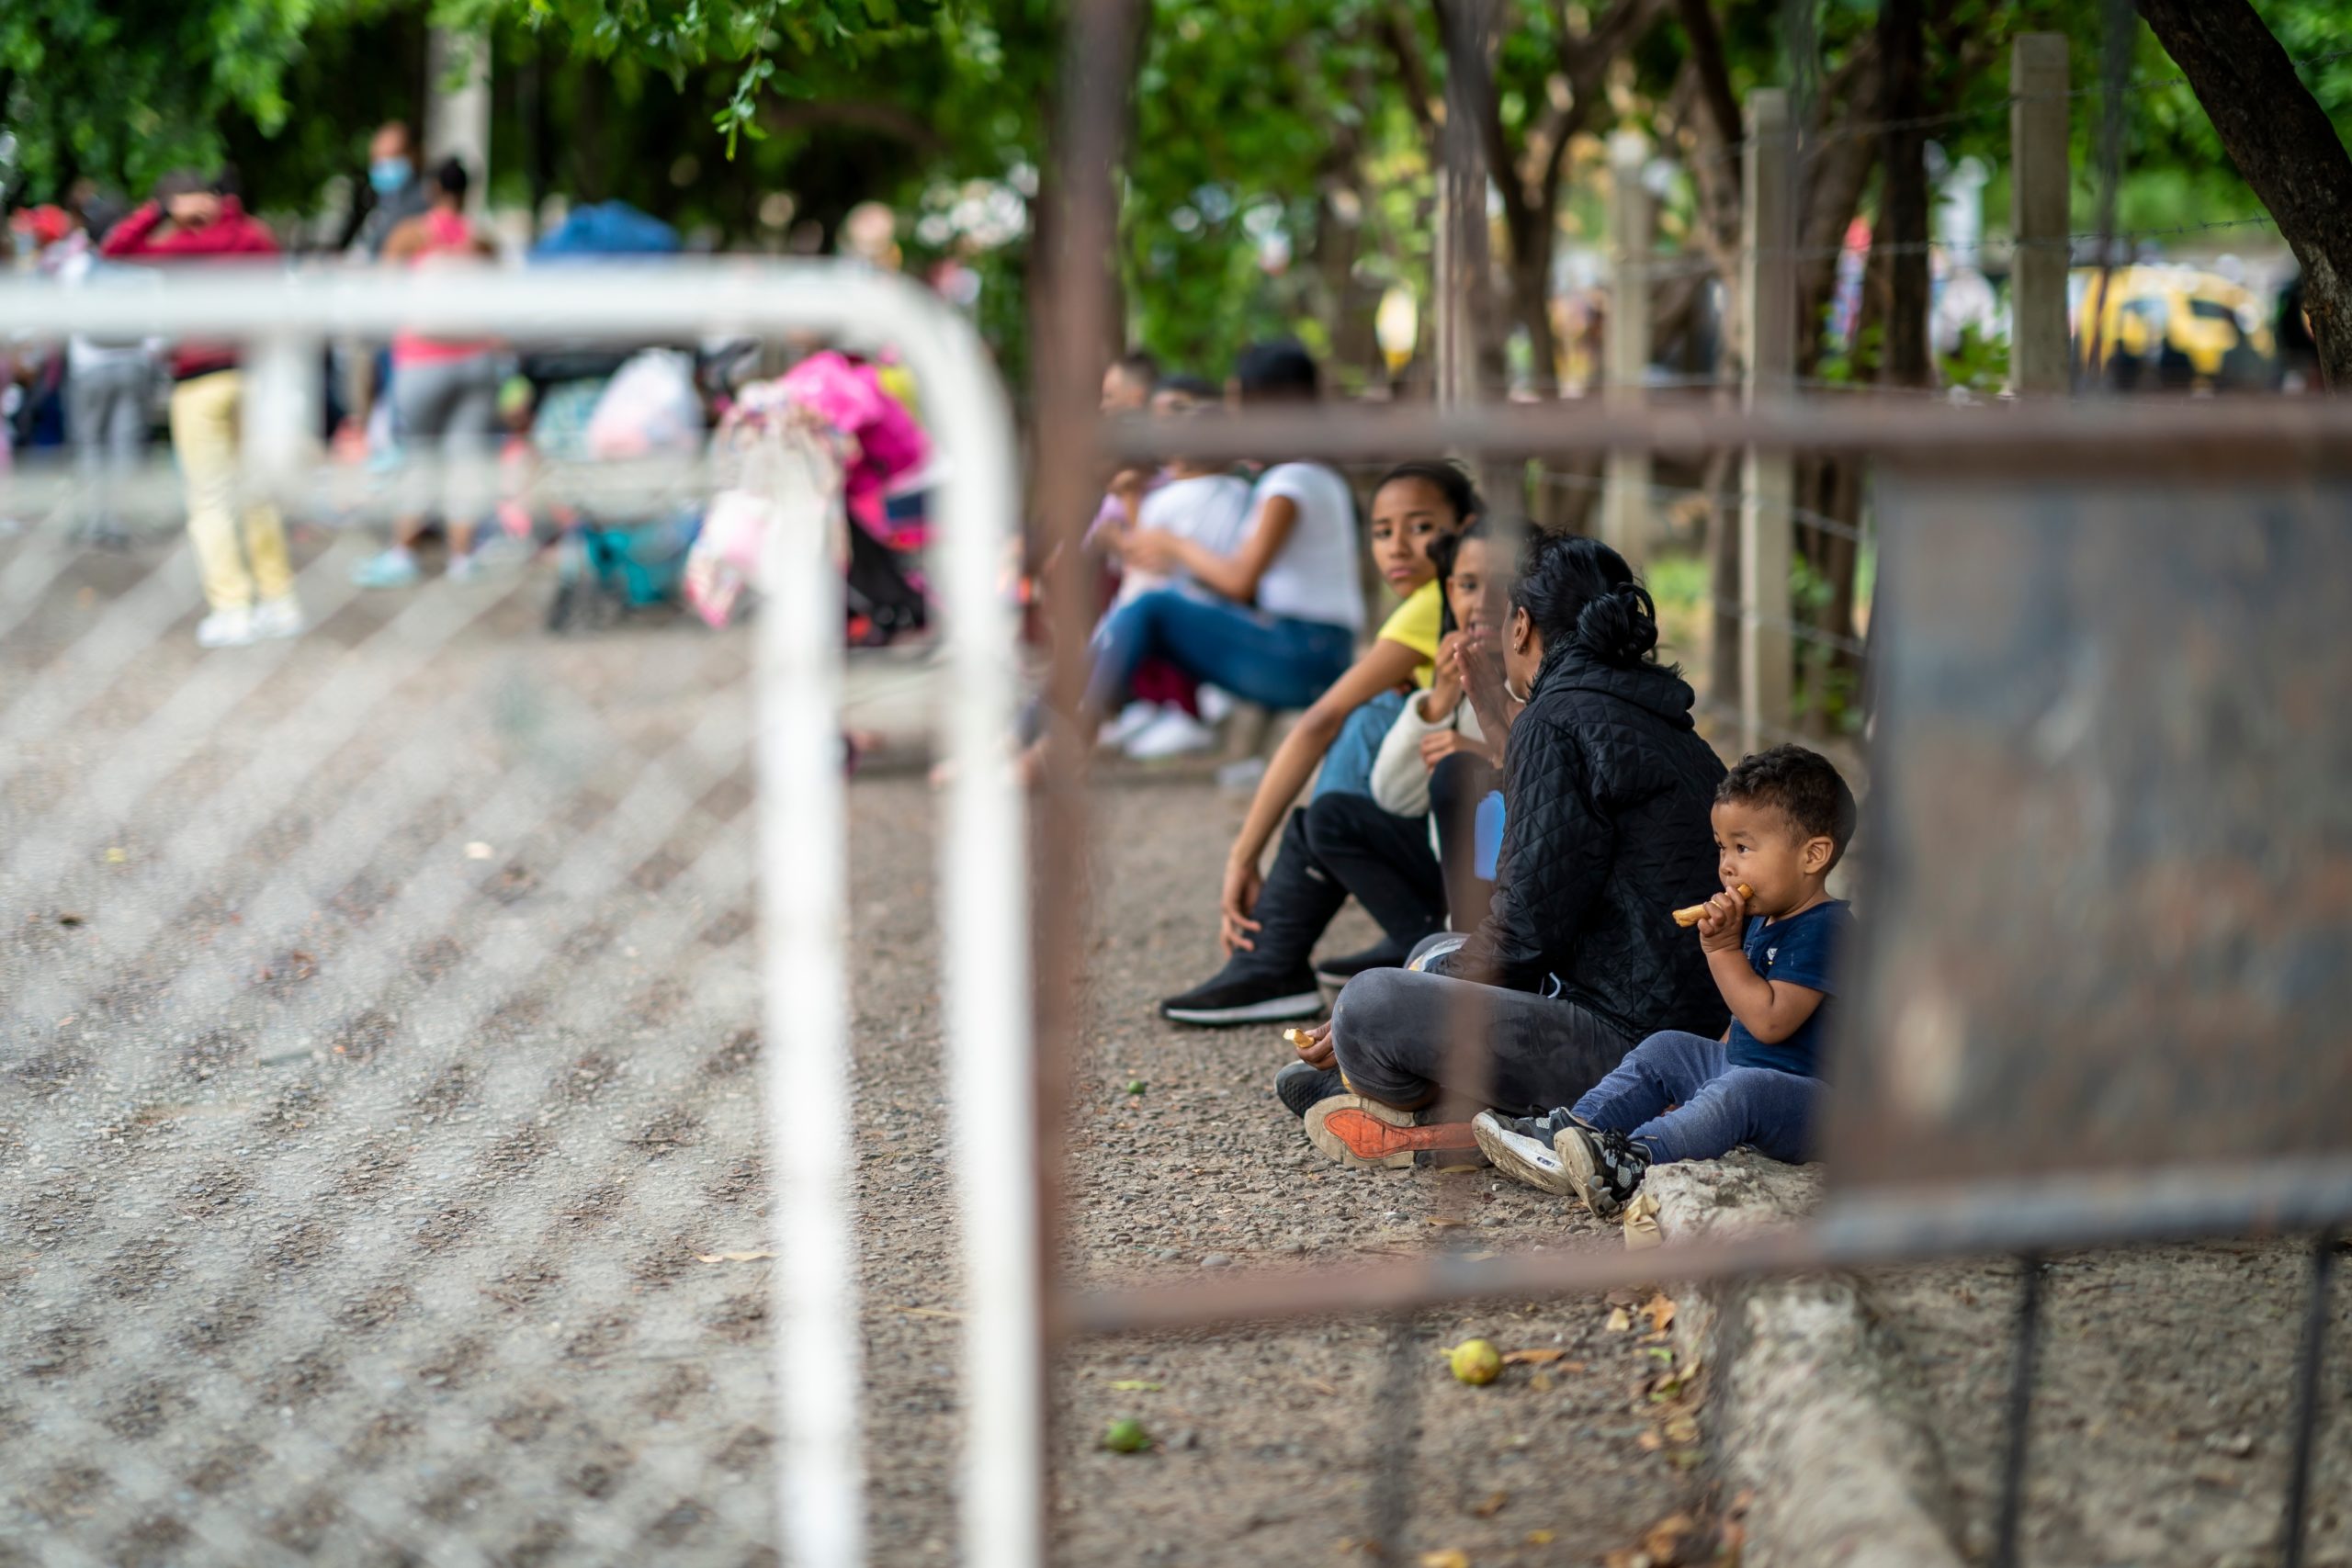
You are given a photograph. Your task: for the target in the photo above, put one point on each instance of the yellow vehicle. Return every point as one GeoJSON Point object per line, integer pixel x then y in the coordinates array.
{"type": "Point", "coordinates": [2171, 327]}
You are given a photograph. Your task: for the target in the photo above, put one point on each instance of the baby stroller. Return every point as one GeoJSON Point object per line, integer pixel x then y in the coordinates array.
{"type": "Point", "coordinates": [815, 439]}
{"type": "Point", "coordinates": [616, 556]}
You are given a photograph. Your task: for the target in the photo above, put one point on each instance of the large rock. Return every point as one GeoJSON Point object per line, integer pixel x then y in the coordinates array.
{"type": "Point", "coordinates": [1814, 1417]}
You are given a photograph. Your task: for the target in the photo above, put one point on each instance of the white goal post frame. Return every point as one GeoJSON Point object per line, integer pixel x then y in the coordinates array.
{"type": "Point", "coordinates": [284, 319]}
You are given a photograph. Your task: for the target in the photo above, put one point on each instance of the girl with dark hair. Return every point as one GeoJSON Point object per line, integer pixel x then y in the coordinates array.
{"type": "Point", "coordinates": [1438, 760]}
{"type": "Point", "coordinates": [1271, 925]}
{"type": "Point", "coordinates": [1608, 788]}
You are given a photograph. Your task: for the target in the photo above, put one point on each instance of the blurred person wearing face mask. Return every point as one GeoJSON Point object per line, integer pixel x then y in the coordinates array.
{"type": "Point", "coordinates": [400, 193]}
{"type": "Point", "coordinates": [248, 583]}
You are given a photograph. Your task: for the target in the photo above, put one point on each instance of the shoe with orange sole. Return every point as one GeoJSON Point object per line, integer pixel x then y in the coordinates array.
{"type": "Point", "coordinates": [1373, 1136]}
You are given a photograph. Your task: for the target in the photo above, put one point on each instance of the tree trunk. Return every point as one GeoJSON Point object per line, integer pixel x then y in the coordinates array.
{"type": "Point", "coordinates": [1903, 215]}
{"type": "Point", "coordinates": [1530, 305]}
{"type": "Point", "coordinates": [2282, 143]}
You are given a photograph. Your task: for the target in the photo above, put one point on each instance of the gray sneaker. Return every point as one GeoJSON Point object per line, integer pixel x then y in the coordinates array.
{"type": "Point", "coordinates": [1521, 1147]}
{"type": "Point", "coordinates": [1300, 1086]}
{"type": "Point", "coordinates": [1606, 1167]}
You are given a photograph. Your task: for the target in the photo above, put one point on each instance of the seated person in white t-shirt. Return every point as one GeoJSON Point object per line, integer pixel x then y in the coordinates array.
{"type": "Point", "coordinates": [1198, 502]}
{"type": "Point", "coordinates": [1278, 620]}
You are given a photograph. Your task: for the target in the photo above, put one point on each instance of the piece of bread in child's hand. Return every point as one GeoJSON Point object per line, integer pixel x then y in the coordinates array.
{"type": "Point", "coordinates": [1690, 916]}
{"type": "Point", "coordinates": [1296, 1037]}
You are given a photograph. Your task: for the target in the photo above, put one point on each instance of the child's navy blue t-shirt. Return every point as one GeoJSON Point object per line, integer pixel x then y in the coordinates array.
{"type": "Point", "coordinates": [1800, 950]}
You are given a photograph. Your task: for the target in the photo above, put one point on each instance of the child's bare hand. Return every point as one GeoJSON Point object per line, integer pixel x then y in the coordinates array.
{"type": "Point", "coordinates": [1445, 680]}
{"type": "Point", "coordinates": [1150, 549]}
{"type": "Point", "coordinates": [1440, 744]}
{"type": "Point", "coordinates": [1722, 920]}
{"type": "Point", "coordinates": [1235, 905]}
{"type": "Point", "coordinates": [1313, 1044]}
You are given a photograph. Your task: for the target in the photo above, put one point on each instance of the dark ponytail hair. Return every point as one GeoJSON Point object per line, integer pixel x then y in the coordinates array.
{"type": "Point", "coordinates": [1584, 598]}
{"type": "Point", "coordinates": [1277, 371]}
{"type": "Point", "coordinates": [1449, 479]}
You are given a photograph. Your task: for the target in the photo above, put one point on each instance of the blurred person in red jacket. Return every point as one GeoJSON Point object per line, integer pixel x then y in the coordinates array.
{"type": "Point", "coordinates": [248, 583]}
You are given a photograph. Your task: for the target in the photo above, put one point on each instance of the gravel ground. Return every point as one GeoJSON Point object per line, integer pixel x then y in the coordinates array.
{"type": "Point", "coordinates": [379, 1052]}
{"type": "Point", "coordinates": [2163, 1402]}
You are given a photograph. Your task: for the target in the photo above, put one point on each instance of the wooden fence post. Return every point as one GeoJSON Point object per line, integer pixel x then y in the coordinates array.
{"type": "Point", "coordinates": [1626, 494]}
{"type": "Point", "coordinates": [2040, 177]}
{"type": "Point", "coordinates": [1767, 488]}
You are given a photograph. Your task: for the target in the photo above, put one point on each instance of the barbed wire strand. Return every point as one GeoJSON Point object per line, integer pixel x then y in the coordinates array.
{"type": "Point", "coordinates": [1848, 131]}
{"type": "Point", "coordinates": [1806, 515]}
{"type": "Point", "coordinates": [1680, 265]}
{"type": "Point", "coordinates": [1797, 630]}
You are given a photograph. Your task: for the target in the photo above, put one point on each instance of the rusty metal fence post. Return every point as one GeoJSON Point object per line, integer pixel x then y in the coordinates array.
{"type": "Point", "coordinates": [1769, 225]}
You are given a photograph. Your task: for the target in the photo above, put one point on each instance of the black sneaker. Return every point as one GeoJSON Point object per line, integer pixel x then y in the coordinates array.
{"type": "Point", "coordinates": [1607, 1167]}
{"type": "Point", "coordinates": [1521, 1147]}
{"type": "Point", "coordinates": [1334, 972]}
{"type": "Point", "coordinates": [1300, 1086]}
{"type": "Point", "coordinates": [1232, 999]}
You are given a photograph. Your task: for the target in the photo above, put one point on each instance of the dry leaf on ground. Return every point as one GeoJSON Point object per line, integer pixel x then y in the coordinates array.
{"type": "Point", "coordinates": [731, 1257]}
{"type": "Point", "coordinates": [1488, 1506]}
{"type": "Point", "coordinates": [1137, 1386]}
{"type": "Point", "coordinates": [1540, 1356]}
{"type": "Point", "coordinates": [1660, 1311]}
{"type": "Point", "coordinates": [1662, 1546]}
{"type": "Point", "coordinates": [1542, 1538]}
{"type": "Point", "coordinates": [1452, 1557]}
{"type": "Point", "coordinates": [1649, 1443]}
{"type": "Point", "coordinates": [1641, 1222]}
{"type": "Point", "coordinates": [1620, 1320]}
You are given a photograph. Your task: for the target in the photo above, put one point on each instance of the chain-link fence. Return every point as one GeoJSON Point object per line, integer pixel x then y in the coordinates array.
{"type": "Point", "coordinates": [417, 1018]}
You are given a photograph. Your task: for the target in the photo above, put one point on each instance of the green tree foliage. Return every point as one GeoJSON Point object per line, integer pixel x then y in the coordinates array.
{"type": "Point", "coordinates": [126, 89]}
{"type": "Point", "coordinates": [1274, 172]}
{"type": "Point", "coordinates": [1280, 172]}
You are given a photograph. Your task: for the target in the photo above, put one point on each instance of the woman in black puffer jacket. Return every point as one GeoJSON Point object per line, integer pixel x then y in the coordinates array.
{"type": "Point", "coordinates": [1607, 788]}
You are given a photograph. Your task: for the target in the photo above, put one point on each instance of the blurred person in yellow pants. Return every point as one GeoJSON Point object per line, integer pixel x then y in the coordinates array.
{"type": "Point", "coordinates": [248, 584]}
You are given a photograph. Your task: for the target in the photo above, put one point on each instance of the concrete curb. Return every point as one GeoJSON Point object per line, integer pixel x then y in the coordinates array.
{"type": "Point", "coordinates": [1811, 1413]}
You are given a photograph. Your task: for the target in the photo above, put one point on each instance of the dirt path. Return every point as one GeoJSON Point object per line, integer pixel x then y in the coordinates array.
{"type": "Point", "coordinates": [1276, 1446]}
{"type": "Point", "coordinates": [378, 1052]}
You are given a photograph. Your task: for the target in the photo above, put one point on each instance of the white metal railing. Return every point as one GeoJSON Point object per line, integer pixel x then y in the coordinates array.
{"type": "Point", "coordinates": [284, 319]}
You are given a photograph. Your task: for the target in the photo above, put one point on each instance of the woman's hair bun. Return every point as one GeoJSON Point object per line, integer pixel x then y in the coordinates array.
{"type": "Point", "coordinates": [1582, 596]}
{"type": "Point", "coordinates": [1619, 627]}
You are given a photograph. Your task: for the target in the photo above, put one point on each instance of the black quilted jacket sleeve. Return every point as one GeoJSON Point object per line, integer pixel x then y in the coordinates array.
{"type": "Point", "coordinates": [1607, 789]}
{"type": "Point", "coordinates": [1556, 854]}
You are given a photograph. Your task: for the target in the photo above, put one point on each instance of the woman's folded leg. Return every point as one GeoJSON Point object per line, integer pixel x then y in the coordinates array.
{"type": "Point", "coordinates": [1401, 1038]}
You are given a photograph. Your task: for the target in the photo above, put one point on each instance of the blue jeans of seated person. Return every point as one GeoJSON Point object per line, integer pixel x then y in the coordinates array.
{"type": "Point", "coordinates": [1346, 766]}
{"type": "Point", "coordinates": [1272, 660]}
{"type": "Point", "coordinates": [1717, 1107]}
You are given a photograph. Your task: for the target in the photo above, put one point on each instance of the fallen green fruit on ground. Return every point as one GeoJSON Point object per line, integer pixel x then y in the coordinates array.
{"type": "Point", "coordinates": [1126, 1436]}
{"type": "Point", "coordinates": [1476, 1362]}
{"type": "Point", "coordinates": [1134, 1086]}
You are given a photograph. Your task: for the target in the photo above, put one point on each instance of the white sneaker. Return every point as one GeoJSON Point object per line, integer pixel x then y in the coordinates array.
{"type": "Point", "coordinates": [1217, 704]}
{"type": "Point", "coordinates": [462, 568]}
{"type": "Point", "coordinates": [1133, 720]}
{"type": "Point", "coordinates": [281, 616]}
{"type": "Point", "coordinates": [226, 628]}
{"type": "Point", "coordinates": [1172, 734]}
